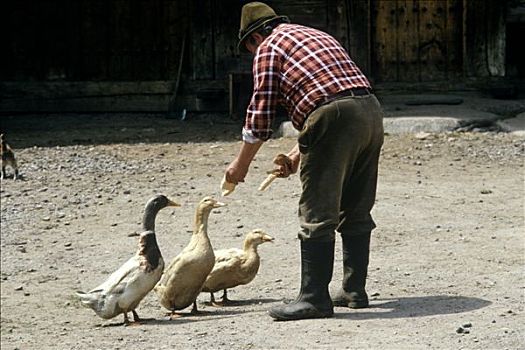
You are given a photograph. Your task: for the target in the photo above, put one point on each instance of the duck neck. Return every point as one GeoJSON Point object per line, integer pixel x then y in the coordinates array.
{"type": "Point", "coordinates": [148, 221]}
{"type": "Point", "coordinates": [201, 221]}
{"type": "Point", "coordinates": [150, 250]}
{"type": "Point", "coordinates": [250, 247]}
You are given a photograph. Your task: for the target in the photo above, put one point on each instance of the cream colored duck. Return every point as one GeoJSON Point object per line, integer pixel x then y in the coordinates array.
{"type": "Point", "coordinates": [234, 267]}
{"type": "Point", "coordinates": [182, 280]}
{"type": "Point", "coordinates": [126, 287]}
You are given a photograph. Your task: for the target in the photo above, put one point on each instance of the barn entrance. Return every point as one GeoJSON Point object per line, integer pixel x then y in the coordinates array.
{"type": "Point", "coordinates": [416, 40]}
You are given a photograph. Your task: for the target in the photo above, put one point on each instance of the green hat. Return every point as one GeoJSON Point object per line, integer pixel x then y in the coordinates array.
{"type": "Point", "coordinates": [253, 16]}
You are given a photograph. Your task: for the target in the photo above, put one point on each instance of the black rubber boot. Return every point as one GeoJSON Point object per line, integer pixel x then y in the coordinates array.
{"type": "Point", "coordinates": [356, 251]}
{"type": "Point", "coordinates": [317, 265]}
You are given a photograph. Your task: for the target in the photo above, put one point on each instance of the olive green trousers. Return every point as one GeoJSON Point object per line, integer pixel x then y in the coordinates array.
{"type": "Point", "coordinates": [340, 146]}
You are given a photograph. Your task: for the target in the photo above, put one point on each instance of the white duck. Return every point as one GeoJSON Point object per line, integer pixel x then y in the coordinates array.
{"type": "Point", "coordinates": [234, 267]}
{"type": "Point", "coordinates": [182, 280]}
{"type": "Point", "coordinates": [126, 287]}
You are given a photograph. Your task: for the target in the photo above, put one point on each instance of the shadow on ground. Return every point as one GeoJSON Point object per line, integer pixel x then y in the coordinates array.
{"type": "Point", "coordinates": [415, 307]}
{"type": "Point", "coordinates": [48, 130]}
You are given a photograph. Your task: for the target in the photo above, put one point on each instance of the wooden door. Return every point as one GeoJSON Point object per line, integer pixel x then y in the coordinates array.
{"type": "Point", "coordinates": [416, 40]}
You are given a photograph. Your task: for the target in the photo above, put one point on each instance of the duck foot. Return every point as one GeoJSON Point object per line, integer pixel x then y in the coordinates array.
{"type": "Point", "coordinates": [127, 322]}
{"type": "Point", "coordinates": [173, 315]}
{"type": "Point", "coordinates": [135, 322]}
{"type": "Point", "coordinates": [212, 301]}
{"type": "Point", "coordinates": [225, 301]}
{"type": "Point", "coordinates": [139, 320]}
{"type": "Point", "coordinates": [194, 310]}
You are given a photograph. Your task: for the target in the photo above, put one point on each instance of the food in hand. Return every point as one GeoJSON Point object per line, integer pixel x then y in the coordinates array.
{"type": "Point", "coordinates": [227, 187]}
{"type": "Point", "coordinates": [281, 160]}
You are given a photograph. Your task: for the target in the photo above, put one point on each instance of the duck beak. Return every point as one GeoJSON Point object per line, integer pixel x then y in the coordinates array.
{"type": "Point", "coordinates": [219, 204]}
{"type": "Point", "coordinates": [173, 204]}
{"type": "Point", "coordinates": [267, 238]}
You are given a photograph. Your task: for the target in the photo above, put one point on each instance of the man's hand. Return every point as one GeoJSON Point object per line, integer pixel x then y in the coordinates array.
{"type": "Point", "coordinates": [237, 170]}
{"type": "Point", "coordinates": [288, 164]}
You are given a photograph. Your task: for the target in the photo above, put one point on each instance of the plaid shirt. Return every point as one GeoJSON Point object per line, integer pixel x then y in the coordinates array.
{"type": "Point", "coordinates": [298, 67]}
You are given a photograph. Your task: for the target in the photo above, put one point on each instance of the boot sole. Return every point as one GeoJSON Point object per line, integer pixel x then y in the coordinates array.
{"type": "Point", "coordinates": [280, 317]}
{"type": "Point", "coordinates": [351, 304]}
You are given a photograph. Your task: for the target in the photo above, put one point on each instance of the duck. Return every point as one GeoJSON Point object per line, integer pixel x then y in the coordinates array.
{"type": "Point", "coordinates": [126, 287]}
{"type": "Point", "coordinates": [234, 267]}
{"type": "Point", "coordinates": [184, 277]}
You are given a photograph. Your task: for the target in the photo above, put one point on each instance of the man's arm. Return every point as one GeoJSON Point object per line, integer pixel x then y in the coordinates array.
{"type": "Point", "coordinates": [238, 168]}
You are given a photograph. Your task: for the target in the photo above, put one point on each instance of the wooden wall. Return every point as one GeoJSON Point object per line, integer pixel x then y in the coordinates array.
{"type": "Point", "coordinates": [104, 55]}
{"type": "Point", "coordinates": [96, 40]}
{"type": "Point", "coordinates": [485, 38]}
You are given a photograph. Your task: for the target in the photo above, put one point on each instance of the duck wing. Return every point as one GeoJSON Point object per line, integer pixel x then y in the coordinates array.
{"type": "Point", "coordinates": [115, 285]}
{"type": "Point", "coordinates": [227, 271]}
{"type": "Point", "coordinates": [118, 279]}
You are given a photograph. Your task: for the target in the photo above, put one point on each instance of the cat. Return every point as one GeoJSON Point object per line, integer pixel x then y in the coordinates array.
{"type": "Point", "coordinates": [8, 158]}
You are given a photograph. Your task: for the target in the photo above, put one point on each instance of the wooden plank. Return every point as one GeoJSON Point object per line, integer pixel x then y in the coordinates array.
{"type": "Point", "coordinates": [120, 39]}
{"type": "Point", "coordinates": [337, 22]}
{"type": "Point", "coordinates": [202, 40]}
{"type": "Point", "coordinates": [240, 93]}
{"type": "Point", "coordinates": [496, 39]}
{"type": "Point", "coordinates": [454, 39]}
{"type": "Point", "coordinates": [74, 53]}
{"type": "Point", "coordinates": [432, 44]}
{"type": "Point", "coordinates": [226, 27]}
{"type": "Point", "coordinates": [176, 27]}
{"type": "Point", "coordinates": [407, 40]}
{"type": "Point", "coordinates": [93, 40]}
{"type": "Point", "coordinates": [312, 13]}
{"type": "Point", "coordinates": [476, 32]}
{"type": "Point", "coordinates": [21, 39]}
{"type": "Point", "coordinates": [385, 40]}
{"type": "Point", "coordinates": [359, 45]}
{"type": "Point", "coordinates": [90, 96]}
{"type": "Point", "coordinates": [145, 60]}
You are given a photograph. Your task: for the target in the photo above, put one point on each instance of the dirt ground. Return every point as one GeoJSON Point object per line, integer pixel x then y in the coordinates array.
{"type": "Point", "coordinates": [447, 258]}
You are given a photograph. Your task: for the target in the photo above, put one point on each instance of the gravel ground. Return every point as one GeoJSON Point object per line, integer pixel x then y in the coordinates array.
{"type": "Point", "coordinates": [447, 257]}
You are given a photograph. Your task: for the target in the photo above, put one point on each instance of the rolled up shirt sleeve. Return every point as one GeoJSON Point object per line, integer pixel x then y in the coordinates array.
{"type": "Point", "coordinates": [262, 108]}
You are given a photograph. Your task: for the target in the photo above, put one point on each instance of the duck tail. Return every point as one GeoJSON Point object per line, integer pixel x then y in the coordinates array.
{"type": "Point", "coordinates": [87, 299]}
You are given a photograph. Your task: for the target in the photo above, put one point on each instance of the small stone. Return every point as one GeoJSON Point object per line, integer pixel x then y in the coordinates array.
{"type": "Point", "coordinates": [19, 288]}
{"type": "Point", "coordinates": [422, 135]}
{"type": "Point", "coordinates": [467, 325]}
{"type": "Point", "coordinates": [67, 244]}
{"type": "Point", "coordinates": [460, 330]}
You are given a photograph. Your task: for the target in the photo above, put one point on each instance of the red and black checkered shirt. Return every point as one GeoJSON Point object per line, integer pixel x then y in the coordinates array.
{"type": "Point", "coordinates": [298, 67]}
